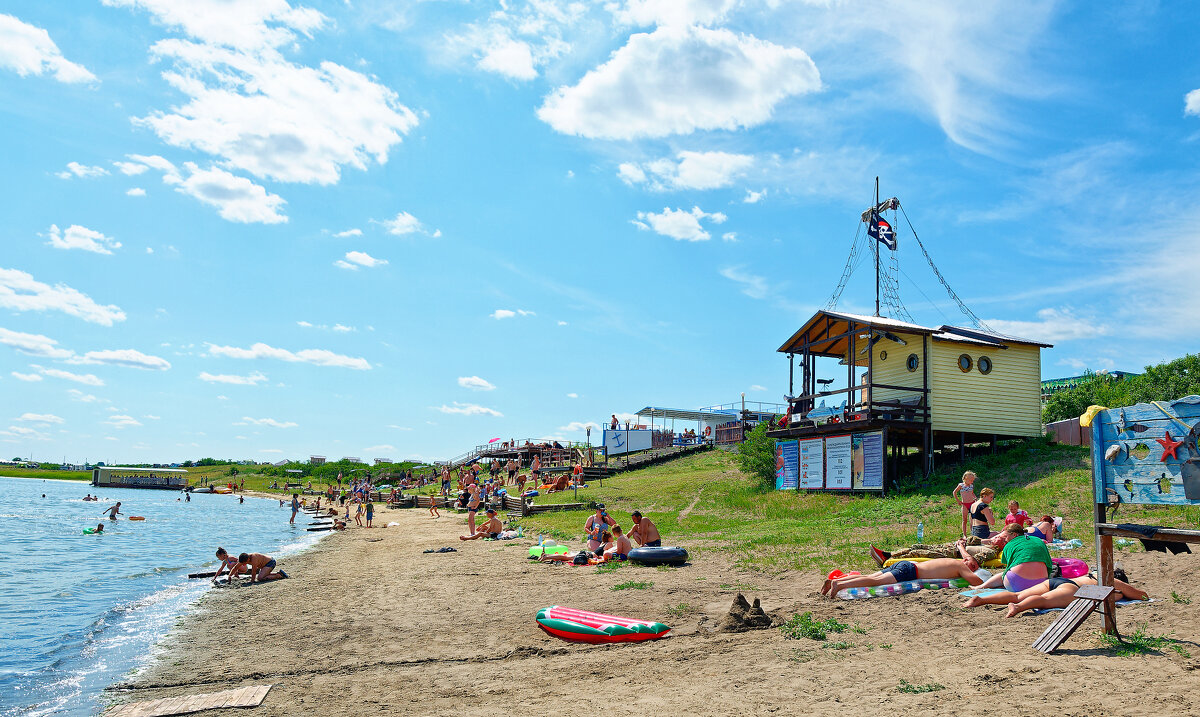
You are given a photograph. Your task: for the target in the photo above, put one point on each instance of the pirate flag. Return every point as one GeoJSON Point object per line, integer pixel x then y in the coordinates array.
{"type": "Point", "coordinates": [880, 229]}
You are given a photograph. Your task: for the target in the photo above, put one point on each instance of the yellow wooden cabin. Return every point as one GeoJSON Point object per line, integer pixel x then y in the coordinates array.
{"type": "Point", "coordinates": [922, 387]}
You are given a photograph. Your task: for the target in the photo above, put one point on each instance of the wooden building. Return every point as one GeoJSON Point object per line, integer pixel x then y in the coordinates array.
{"type": "Point", "coordinates": [910, 387]}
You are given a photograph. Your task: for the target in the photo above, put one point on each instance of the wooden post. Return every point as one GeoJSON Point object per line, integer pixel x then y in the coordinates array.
{"type": "Point", "coordinates": [1104, 571]}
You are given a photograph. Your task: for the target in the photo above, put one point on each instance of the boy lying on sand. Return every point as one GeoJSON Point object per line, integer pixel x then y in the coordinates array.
{"type": "Point", "coordinates": [905, 571]}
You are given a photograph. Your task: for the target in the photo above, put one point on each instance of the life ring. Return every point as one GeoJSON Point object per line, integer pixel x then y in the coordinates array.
{"type": "Point", "coordinates": [659, 556]}
{"type": "Point", "coordinates": [582, 626]}
{"type": "Point", "coordinates": [707, 431]}
{"type": "Point", "coordinates": [136, 517]}
{"type": "Point", "coordinates": [1071, 567]}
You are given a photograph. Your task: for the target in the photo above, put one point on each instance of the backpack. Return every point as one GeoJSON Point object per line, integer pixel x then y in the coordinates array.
{"type": "Point", "coordinates": [581, 558]}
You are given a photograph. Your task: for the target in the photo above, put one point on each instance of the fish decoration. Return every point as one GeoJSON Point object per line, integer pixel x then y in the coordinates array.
{"type": "Point", "coordinates": [1164, 484]}
{"type": "Point", "coordinates": [1113, 452]}
{"type": "Point", "coordinates": [1129, 486]}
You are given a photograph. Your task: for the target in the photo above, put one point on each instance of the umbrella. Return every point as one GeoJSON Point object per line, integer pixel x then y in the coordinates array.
{"type": "Point", "coordinates": [493, 440]}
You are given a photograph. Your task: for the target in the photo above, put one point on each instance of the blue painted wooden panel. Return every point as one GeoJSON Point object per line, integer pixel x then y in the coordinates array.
{"type": "Point", "coordinates": [1150, 480]}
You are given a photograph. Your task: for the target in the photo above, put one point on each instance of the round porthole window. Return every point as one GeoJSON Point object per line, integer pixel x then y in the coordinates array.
{"type": "Point", "coordinates": [985, 364]}
{"type": "Point", "coordinates": [964, 363]}
{"type": "Point", "coordinates": [914, 362]}
{"type": "Point", "coordinates": [883, 355]}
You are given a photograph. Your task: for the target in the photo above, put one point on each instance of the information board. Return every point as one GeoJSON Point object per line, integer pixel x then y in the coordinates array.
{"type": "Point", "coordinates": [812, 464]}
{"type": "Point", "coordinates": [867, 460]}
{"type": "Point", "coordinates": [787, 465]}
{"type": "Point", "coordinates": [838, 463]}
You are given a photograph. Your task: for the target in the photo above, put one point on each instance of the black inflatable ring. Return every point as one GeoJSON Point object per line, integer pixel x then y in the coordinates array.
{"type": "Point", "coordinates": [659, 556]}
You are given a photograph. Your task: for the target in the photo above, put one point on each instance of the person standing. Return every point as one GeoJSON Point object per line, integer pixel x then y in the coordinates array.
{"type": "Point", "coordinates": [295, 507]}
{"type": "Point", "coordinates": [964, 495]}
{"type": "Point", "coordinates": [472, 506]}
{"type": "Point", "coordinates": [113, 511]}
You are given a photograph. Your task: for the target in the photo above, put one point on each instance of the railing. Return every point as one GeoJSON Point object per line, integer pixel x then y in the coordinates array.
{"type": "Point", "coordinates": [755, 406]}
{"type": "Point", "coordinates": [915, 408]}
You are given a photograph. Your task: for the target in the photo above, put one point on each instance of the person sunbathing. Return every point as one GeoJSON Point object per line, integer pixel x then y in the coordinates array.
{"type": "Point", "coordinates": [905, 571]}
{"type": "Point", "coordinates": [1043, 529]}
{"type": "Point", "coordinates": [490, 529]}
{"type": "Point", "coordinates": [981, 550]}
{"type": "Point", "coordinates": [1054, 593]}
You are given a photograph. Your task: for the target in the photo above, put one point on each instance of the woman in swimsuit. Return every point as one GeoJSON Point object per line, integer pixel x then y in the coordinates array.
{"type": "Point", "coordinates": [1044, 529]}
{"type": "Point", "coordinates": [1055, 592]}
{"type": "Point", "coordinates": [981, 514]}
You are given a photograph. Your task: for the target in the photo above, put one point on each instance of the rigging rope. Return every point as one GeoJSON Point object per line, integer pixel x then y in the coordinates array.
{"type": "Point", "coordinates": [945, 284]}
{"type": "Point", "coordinates": [846, 272]}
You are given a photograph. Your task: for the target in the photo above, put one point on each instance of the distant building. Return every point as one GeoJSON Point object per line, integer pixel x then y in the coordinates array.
{"type": "Point", "coordinates": [352, 459]}
{"type": "Point", "coordinates": [316, 460]}
{"type": "Point", "coordinates": [1054, 385]}
{"type": "Point", "coordinates": [379, 461]}
{"type": "Point", "coordinates": [280, 464]}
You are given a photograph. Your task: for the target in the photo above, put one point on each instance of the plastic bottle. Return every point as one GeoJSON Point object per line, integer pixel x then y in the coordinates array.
{"type": "Point", "coordinates": [921, 532]}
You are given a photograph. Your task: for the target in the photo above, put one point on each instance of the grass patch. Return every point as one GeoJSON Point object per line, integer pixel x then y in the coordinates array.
{"type": "Point", "coordinates": [886, 647]}
{"type": "Point", "coordinates": [45, 474]}
{"type": "Point", "coordinates": [1180, 599]}
{"type": "Point", "coordinates": [607, 567]}
{"type": "Point", "coordinates": [837, 645]}
{"type": "Point", "coordinates": [909, 688]}
{"type": "Point", "coordinates": [804, 626]}
{"type": "Point", "coordinates": [633, 585]}
{"type": "Point", "coordinates": [1140, 642]}
{"type": "Point", "coordinates": [773, 531]}
{"type": "Point", "coordinates": [681, 610]}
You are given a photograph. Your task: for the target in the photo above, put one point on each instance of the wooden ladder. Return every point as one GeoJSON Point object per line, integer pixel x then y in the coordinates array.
{"type": "Point", "coordinates": [1087, 599]}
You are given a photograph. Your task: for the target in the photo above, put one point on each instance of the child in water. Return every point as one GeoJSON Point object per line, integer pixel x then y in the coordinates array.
{"type": "Point", "coordinates": [964, 495]}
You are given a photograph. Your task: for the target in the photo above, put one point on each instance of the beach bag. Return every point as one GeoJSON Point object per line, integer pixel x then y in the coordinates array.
{"type": "Point", "coordinates": [581, 558]}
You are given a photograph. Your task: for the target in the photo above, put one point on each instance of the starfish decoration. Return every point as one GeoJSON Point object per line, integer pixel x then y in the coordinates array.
{"type": "Point", "coordinates": [1170, 446]}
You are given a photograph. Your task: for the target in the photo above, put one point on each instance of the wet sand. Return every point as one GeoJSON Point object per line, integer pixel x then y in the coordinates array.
{"type": "Point", "coordinates": [369, 624]}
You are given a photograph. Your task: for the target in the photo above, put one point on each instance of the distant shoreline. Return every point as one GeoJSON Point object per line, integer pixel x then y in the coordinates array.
{"type": "Point", "coordinates": [72, 480]}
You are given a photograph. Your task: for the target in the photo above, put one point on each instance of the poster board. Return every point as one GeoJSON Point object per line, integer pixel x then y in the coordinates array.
{"type": "Point", "coordinates": [1167, 433]}
{"type": "Point", "coordinates": [838, 473]}
{"type": "Point", "coordinates": [812, 463]}
{"type": "Point", "coordinates": [866, 452]}
{"type": "Point", "coordinates": [787, 464]}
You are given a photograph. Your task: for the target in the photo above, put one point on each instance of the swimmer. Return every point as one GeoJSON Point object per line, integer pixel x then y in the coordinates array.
{"type": "Point", "coordinates": [99, 528]}
{"type": "Point", "coordinates": [114, 511]}
{"type": "Point", "coordinates": [490, 529]}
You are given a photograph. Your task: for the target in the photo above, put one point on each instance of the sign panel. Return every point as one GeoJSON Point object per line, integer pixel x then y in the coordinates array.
{"type": "Point", "coordinates": [1165, 434]}
{"type": "Point", "coordinates": [867, 461]}
{"type": "Point", "coordinates": [838, 462]}
{"type": "Point", "coordinates": [787, 464]}
{"type": "Point", "coordinates": [812, 464]}
{"type": "Point", "coordinates": [622, 441]}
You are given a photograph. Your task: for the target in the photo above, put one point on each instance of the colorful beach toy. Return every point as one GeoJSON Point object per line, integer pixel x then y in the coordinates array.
{"type": "Point", "coordinates": [582, 626]}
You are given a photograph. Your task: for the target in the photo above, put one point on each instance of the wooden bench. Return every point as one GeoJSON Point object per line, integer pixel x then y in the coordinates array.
{"type": "Point", "coordinates": [1087, 599]}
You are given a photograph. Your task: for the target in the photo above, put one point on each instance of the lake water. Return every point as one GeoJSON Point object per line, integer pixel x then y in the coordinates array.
{"type": "Point", "coordinates": [78, 612]}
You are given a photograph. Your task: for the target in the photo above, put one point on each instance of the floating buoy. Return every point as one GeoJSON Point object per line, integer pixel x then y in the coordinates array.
{"type": "Point", "coordinates": [136, 517]}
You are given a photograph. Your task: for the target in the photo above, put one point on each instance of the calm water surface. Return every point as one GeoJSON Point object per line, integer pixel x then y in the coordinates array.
{"type": "Point", "coordinates": [78, 612]}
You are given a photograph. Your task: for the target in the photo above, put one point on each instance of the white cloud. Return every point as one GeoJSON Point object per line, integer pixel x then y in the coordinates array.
{"type": "Point", "coordinates": [122, 421]}
{"type": "Point", "coordinates": [475, 383]}
{"type": "Point", "coordinates": [33, 344]}
{"type": "Point", "coordinates": [85, 378]}
{"type": "Point", "coordinates": [644, 13]}
{"type": "Point", "coordinates": [1053, 324]}
{"type": "Point", "coordinates": [152, 417]}
{"type": "Point", "coordinates": [756, 387]}
{"type": "Point", "coordinates": [342, 328]}
{"type": "Point", "coordinates": [131, 169]}
{"type": "Point", "coordinates": [137, 192]}
{"type": "Point", "coordinates": [28, 377]}
{"type": "Point", "coordinates": [502, 314]}
{"type": "Point", "coordinates": [355, 259]}
{"type": "Point", "coordinates": [252, 380]}
{"type": "Point", "coordinates": [236, 199]}
{"type": "Point", "coordinates": [40, 418]}
{"type": "Point", "coordinates": [28, 50]}
{"type": "Point", "coordinates": [399, 428]}
{"type": "Point", "coordinates": [267, 422]}
{"type": "Point", "coordinates": [130, 358]}
{"type": "Point", "coordinates": [562, 323]}
{"type": "Point", "coordinates": [403, 223]}
{"type": "Point", "coordinates": [470, 409]}
{"type": "Point", "coordinates": [677, 80]}
{"type": "Point", "coordinates": [515, 42]}
{"type": "Point", "coordinates": [75, 169]}
{"type": "Point", "coordinates": [679, 224]}
{"type": "Point", "coordinates": [579, 427]}
{"type": "Point", "coordinates": [77, 237]}
{"type": "Point", "coordinates": [24, 433]}
{"type": "Point", "coordinates": [1191, 103]}
{"type": "Point", "coordinates": [77, 395]}
{"type": "Point", "coordinates": [349, 233]}
{"type": "Point", "coordinates": [21, 292]}
{"type": "Point", "coordinates": [753, 197]}
{"type": "Point", "coordinates": [729, 236]}
{"type": "Point", "coordinates": [249, 26]}
{"type": "Point", "coordinates": [690, 170]}
{"type": "Point", "coordinates": [305, 324]}
{"type": "Point", "coordinates": [317, 357]}
{"type": "Point", "coordinates": [572, 395]}
{"type": "Point", "coordinates": [752, 285]}
{"type": "Point", "coordinates": [343, 264]}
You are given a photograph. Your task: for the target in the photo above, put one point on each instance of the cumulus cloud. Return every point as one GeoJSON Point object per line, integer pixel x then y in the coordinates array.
{"type": "Point", "coordinates": [644, 13]}
{"type": "Point", "coordinates": [40, 418]}
{"type": "Point", "coordinates": [679, 79]}
{"type": "Point", "coordinates": [77, 237]}
{"type": "Point", "coordinates": [247, 26]}
{"type": "Point", "coordinates": [28, 377]}
{"type": "Point", "coordinates": [137, 192]}
{"type": "Point", "coordinates": [349, 233]}
{"type": "Point", "coordinates": [403, 223]}
{"type": "Point", "coordinates": [753, 197]}
{"type": "Point", "coordinates": [235, 198]}
{"type": "Point", "coordinates": [77, 395]}
{"type": "Point", "coordinates": [469, 409]}
{"type": "Point", "coordinates": [509, 313]}
{"type": "Point", "coordinates": [355, 259]}
{"type": "Point", "coordinates": [252, 380]}
{"type": "Point", "coordinates": [752, 285]}
{"type": "Point", "coordinates": [572, 395]}
{"type": "Point", "coordinates": [85, 378]}
{"type": "Point", "coordinates": [516, 42]}
{"type": "Point", "coordinates": [246, 420]}
{"type": "Point", "coordinates": [475, 383]}
{"type": "Point", "coordinates": [75, 169]}
{"type": "Point", "coordinates": [33, 344]}
{"type": "Point", "coordinates": [122, 421]}
{"type": "Point", "coordinates": [1052, 324]}
{"type": "Point", "coordinates": [579, 427]}
{"type": "Point", "coordinates": [679, 224]}
{"type": "Point", "coordinates": [19, 291]}
{"type": "Point", "coordinates": [28, 50]}
{"type": "Point", "coordinates": [1191, 103]}
{"type": "Point", "coordinates": [130, 358]}
{"type": "Point", "coordinates": [689, 170]}
{"type": "Point", "coordinates": [342, 328]}
{"type": "Point", "coordinates": [131, 169]}
{"type": "Point", "coordinates": [316, 357]}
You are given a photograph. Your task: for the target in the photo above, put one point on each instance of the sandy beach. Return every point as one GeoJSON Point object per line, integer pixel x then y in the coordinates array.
{"type": "Point", "coordinates": [372, 625]}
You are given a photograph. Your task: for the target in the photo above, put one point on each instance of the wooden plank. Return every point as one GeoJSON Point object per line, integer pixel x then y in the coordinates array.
{"type": "Point", "coordinates": [1094, 592]}
{"type": "Point", "coordinates": [1065, 625]}
{"type": "Point", "coordinates": [1170, 535]}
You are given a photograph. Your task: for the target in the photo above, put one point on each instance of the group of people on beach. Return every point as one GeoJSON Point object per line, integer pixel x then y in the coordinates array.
{"type": "Point", "coordinates": [607, 541]}
{"type": "Point", "coordinates": [1030, 578]}
{"type": "Point", "coordinates": [259, 567]}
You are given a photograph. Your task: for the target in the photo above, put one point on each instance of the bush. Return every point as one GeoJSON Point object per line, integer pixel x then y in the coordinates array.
{"type": "Point", "coordinates": [1163, 382]}
{"type": "Point", "coordinates": [756, 456]}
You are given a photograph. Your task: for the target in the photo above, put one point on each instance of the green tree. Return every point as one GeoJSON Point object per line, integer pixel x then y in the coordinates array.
{"type": "Point", "coordinates": [756, 456]}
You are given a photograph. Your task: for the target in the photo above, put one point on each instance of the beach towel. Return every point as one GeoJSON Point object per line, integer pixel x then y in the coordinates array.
{"type": "Point", "coordinates": [1065, 544]}
{"type": "Point", "coordinates": [1120, 603]}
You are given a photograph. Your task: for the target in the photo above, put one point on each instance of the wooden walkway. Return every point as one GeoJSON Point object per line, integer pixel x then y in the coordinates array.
{"type": "Point", "coordinates": [655, 455]}
{"type": "Point", "coordinates": [249, 696]}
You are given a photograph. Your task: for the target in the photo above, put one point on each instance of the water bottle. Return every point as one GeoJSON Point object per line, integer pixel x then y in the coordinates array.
{"type": "Point", "coordinates": [921, 532]}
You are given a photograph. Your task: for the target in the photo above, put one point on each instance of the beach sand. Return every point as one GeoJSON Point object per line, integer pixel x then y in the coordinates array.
{"type": "Point", "coordinates": [371, 625]}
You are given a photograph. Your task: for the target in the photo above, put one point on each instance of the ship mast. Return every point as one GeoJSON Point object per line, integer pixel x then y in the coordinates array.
{"type": "Point", "coordinates": [875, 244]}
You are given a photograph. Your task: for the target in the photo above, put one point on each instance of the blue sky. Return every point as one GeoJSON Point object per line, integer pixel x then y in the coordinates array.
{"type": "Point", "coordinates": [267, 230]}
